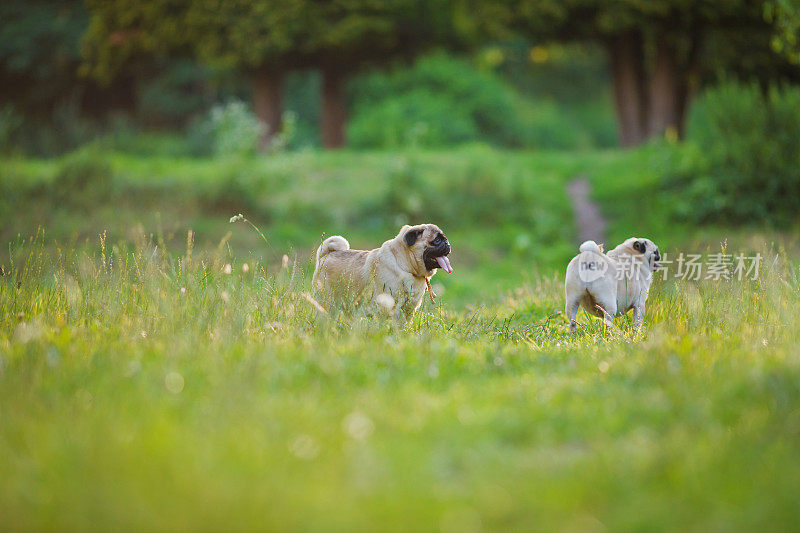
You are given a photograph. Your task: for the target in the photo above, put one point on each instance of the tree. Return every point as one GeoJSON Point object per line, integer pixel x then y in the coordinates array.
{"type": "Point", "coordinates": [251, 36]}
{"type": "Point", "coordinates": [39, 53]}
{"type": "Point", "coordinates": [363, 33]}
{"type": "Point", "coordinates": [785, 15]}
{"type": "Point", "coordinates": [267, 38]}
{"type": "Point", "coordinates": [657, 49]}
{"type": "Point", "coordinates": [40, 86]}
{"type": "Point", "coordinates": [656, 55]}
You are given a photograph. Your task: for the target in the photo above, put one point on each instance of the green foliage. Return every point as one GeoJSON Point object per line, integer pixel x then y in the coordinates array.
{"type": "Point", "coordinates": [785, 15]}
{"type": "Point", "coordinates": [65, 129]}
{"type": "Point", "coordinates": [234, 129]}
{"type": "Point", "coordinates": [252, 34]}
{"type": "Point", "coordinates": [547, 19]}
{"type": "Point", "coordinates": [568, 83]}
{"type": "Point", "coordinates": [171, 94]}
{"type": "Point", "coordinates": [301, 93]}
{"type": "Point", "coordinates": [158, 145]}
{"type": "Point", "coordinates": [416, 118]}
{"type": "Point", "coordinates": [39, 52]}
{"type": "Point", "coordinates": [443, 101]}
{"type": "Point", "coordinates": [230, 130]}
{"type": "Point", "coordinates": [422, 98]}
{"type": "Point", "coordinates": [747, 168]}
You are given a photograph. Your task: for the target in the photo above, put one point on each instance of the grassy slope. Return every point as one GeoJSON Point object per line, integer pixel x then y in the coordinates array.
{"type": "Point", "coordinates": [234, 404]}
{"type": "Point", "coordinates": [506, 213]}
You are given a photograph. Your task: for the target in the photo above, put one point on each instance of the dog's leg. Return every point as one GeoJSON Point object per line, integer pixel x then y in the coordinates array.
{"type": "Point", "coordinates": [571, 309]}
{"type": "Point", "coordinates": [608, 310]}
{"type": "Point", "coordinates": [638, 315]}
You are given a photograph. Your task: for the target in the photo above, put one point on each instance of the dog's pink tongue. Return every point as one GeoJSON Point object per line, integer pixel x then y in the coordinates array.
{"type": "Point", "coordinates": [444, 262]}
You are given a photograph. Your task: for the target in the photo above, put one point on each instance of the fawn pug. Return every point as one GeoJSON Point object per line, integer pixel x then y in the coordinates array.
{"type": "Point", "coordinates": [611, 284]}
{"type": "Point", "coordinates": [401, 267]}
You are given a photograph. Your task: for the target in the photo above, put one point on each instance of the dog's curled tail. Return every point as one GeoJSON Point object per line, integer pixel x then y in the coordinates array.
{"type": "Point", "coordinates": [337, 243]}
{"type": "Point", "coordinates": [591, 246]}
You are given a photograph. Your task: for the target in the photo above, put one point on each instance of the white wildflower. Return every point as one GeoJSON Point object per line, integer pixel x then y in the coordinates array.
{"type": "Point", "coordinates": [358, 426]}
{"type": "Point", "coordinates": [174, 382]}
{"type": "Point", "coordinates": [304, 447]}
{"type": "Point", "coordinates": [385, 300]}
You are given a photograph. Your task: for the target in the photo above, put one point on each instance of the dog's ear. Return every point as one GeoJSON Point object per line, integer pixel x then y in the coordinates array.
{"type": "Point", "coordinates": [640, 246]}
{"type": "Point", "coordinates": [412, 235]}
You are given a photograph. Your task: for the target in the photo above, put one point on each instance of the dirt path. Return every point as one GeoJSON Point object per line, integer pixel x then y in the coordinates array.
{"type": "Point", "coordinates": [588, 219]}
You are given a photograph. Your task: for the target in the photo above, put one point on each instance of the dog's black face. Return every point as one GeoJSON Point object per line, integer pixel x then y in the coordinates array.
{"type": "Point", "coordinates": [643, 247]}
{"type": "Point", "coordinates": [429, 247]}
{"type": "Point", "coordinates": [438, 246]}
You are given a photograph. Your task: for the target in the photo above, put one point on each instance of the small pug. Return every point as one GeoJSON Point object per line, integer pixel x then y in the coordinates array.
{"type": "Point", "coordinates": [401, 267]}
{"type": "Point", "coordinates": [609, 285]}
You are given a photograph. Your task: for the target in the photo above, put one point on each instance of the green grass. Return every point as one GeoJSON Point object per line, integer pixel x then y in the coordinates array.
{"type": "Point", "coordinates": [127, 402]}
{"type": "Point", "coordinates": [506, 213]}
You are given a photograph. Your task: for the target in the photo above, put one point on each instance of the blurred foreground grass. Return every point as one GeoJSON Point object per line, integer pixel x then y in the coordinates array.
{"type": "Point", "coordinates": [143, 391]}
{"type": "Point", "coordinates": [144, 387]}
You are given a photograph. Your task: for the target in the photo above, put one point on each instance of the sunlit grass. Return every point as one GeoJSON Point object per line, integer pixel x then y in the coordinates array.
{"type": "Point", "coordinates": [148, 390]}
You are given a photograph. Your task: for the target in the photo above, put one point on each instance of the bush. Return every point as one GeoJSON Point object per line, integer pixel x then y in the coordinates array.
{"type": "Point", "coordinates": [234, 129]}
{"type": "Point", "coordinates": [439, 101]}
{"type": "Point", "coordinates": [747, 167]}
{"type": "Point", "coordinates": [444, 101]}
{"type": "Point", "coordinates": [416, 118]}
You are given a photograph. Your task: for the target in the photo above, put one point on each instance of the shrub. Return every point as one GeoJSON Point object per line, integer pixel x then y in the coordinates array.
{"type": "Point", "coordinates": [234, 129]}
{"type": "Point", "coordinates": [416, 118]}
{"type": "Point", "coordinates": [442, 101]}
{"type": "Point", "coordinates": [439, 101]}
{"type": "Point", "coordinates": [747, 167]}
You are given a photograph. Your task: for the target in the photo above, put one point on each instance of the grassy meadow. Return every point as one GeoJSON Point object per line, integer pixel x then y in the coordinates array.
{"type": "Point", "coordinates": [164, 369]}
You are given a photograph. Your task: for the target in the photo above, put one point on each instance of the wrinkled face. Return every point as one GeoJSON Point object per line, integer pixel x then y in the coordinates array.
{"type": "Point", "coordinates": [428, 245]}
{"type": "Point", "coordinates": [649, 251]}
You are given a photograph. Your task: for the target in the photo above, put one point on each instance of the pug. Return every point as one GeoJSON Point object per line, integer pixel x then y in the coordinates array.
{"type": "Point", "coordinates": [609, 285]}
{"type": "Point", "coordinates": [401, 267]}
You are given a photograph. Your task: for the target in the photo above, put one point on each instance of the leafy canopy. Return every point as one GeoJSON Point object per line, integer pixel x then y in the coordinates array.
{"type": "Point", "coordinates": [252, 34]}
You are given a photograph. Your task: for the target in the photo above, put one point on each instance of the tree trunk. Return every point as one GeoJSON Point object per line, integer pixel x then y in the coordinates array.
{"type": "Point", "coordinates": [628, 78]}
{"type": "Point", "coordinates": [665, 99]}
{"type": "Point", "coordinates": [268, 104]}
{"type": "Point", "coordinates": [334, 110]}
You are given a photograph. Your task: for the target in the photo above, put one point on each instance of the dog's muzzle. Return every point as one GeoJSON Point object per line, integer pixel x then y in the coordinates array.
{"type": "Point", "coordinates": [436, 257]}
{"type": "Point", "coordinates": [656, 259]}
